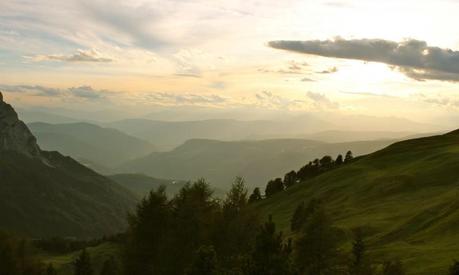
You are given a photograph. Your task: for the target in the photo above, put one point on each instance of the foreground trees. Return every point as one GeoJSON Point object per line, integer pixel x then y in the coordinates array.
{"type": "Point", "coordinates": [316, 248]}
{"type": "Point", "coordinates": [173, 236]}
{"type": "Point", "coordinates": [16, 257]}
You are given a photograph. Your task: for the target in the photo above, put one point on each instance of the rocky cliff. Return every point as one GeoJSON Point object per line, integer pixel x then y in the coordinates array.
{"type": "Point", "coordinates": [14, 134]}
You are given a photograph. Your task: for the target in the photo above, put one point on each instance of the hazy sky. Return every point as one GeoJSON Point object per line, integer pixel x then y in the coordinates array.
{"type": "Point", "coordinates": [384, 58]}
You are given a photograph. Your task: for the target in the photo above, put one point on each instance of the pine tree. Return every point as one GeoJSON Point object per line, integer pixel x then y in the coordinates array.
{"type": "Point", "coordinates": [205, 262]}
{"type": "Point", "coordinates": [109, 267]}
{"type": "Point", "coordinates": [82, 265]}
{"type": "Point", "coordinates": [454, 268]}
{"type": "Point", "coordinates": [50, 270]}
{"type": "Point", "coordinates": [349, 156]}
{"type": "Point", "coordinates": [298, 218]}
{"type": "Point", "coordinates": [270, 255]}
{"type": "Point", "coordinates": [339, 160]}
{"type": "Point", "coordinates": [360, 264]}
{"type": "Point", "coordinates": [255, 196]}
{"type": "Point", "coordinates": [317, 248]}
{"type": "Point", "coordinates": [302, 214]}
{"type": "Point", "coordinates": [290, 179]}
{"type": "Point", "coordinates": [393, 268]}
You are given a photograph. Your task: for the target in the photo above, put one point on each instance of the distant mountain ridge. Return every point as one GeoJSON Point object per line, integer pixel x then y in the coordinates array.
{"type": "Point", "coordinates": [255, 160]}
{"type": "Point", "coordinates": [44, 194]}
{"type": "Point", "coordinates": [89, 142]}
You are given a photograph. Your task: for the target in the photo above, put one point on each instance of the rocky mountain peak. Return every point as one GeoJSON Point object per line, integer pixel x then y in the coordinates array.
{"type": "Point", "coordinates": [14, 134]}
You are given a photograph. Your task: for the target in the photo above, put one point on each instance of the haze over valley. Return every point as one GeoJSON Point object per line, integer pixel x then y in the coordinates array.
{"type": "Point", "coordinates": [218, 137]}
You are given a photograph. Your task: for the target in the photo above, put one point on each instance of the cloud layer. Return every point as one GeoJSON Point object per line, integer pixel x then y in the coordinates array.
{"type": "Point", "coordinates": [414, 58]}
{"type": "Point", "coordinates": [90, 55]}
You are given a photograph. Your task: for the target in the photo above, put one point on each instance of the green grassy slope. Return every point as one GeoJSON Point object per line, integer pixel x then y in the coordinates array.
{"type": "Point", "coordinates": [406, 195]}
{"type": "Point", "coordinates": [63, 263]}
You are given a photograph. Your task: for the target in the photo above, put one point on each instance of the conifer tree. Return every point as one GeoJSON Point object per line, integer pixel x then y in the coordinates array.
{"type": "Point", "coordinates": [270, 255]}
{"type": "Point", "coordinates": [50, 270]}
{"type": "Point", "coordinates": [110, 267]}
{"type": "Point", "coordinates": [205, 262]}
{"type": "Point", "coordinates": [82, 265]}
{"type": "Point", "coordinates": [360, 264]}
{"type": "Point", "coordinates": [255, 196]}
{"type": "Point", "coordinates": [317, 248]}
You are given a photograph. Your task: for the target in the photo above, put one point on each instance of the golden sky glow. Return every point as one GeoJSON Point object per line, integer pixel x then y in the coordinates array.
{"type": "Point", "coordinates": [216, 53]}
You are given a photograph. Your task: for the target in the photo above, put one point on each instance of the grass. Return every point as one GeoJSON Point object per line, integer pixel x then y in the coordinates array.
{"type": "Point", "coordinates": [406, 196]}
{"type": "Point", "coordinates": [64, 262]}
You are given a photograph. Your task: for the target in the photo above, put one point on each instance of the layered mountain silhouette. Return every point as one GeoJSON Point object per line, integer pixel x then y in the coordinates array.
{"type": "Point", "coordinates": [257, 161]}
{"type": "Point", "coordinates": [45, 194]}
{"type": "Point", "coordinates": [89, 143]}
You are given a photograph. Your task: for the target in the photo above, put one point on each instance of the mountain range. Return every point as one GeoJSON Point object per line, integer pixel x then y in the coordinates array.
{"type": "Point", "coordinates": [89, 143]}
{"type": "Point", "coordinates": [44, 194]}
{"type": "Point", "coordinates": [256, 161]}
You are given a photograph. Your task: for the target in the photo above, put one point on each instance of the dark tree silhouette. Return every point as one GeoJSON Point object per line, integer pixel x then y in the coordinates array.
{"type": "Point", "coordinates": [273, 187]}
{"type": "Point", "coordinates": [290, 179]}
{"type": "Point", "coordinates": [205, 262]}
{"type": "Point", "coordinates": [349, 156]}
{"type": "Point", "coordinates": [317, 248]}
{"type": "Point", "coordinates": [82, 265]}
{"type": "Point", "coordinates": [326, 162]}
{"type": "Point", "coordinates": [454, 268]}
{"type": "Point", "coordinates": [255, 196]}
{"type": "Point", "coordinates": [270, 255]}
{"type": "Point", "coordinates": [16, 256]}
{"type": "Point", "coordinates": [339, 160]}
{"type": "Point", "coordinates": [360, 263]}
{"type": "Point", "coordinates": [50, 270]}
{"type": "Point", "coordinates": [298, 217]}
{"type": "Point", "coordinates": [110, 267]}
{"type": "Point", "coordinates": [393, 268]}
{"type": "Point", "coordinates": [302, 214]}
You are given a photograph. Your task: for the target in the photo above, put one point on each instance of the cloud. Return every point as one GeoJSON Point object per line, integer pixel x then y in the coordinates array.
{"type": "Point", "coordinates": [439, 100]}
{"type": "Point", "coordinates": [185, 99]}
{"type": "Point", "coordinates": [331, 70]}
{"type": "Point", "coordinates": [90, 55]}
{"type": "Point", "coordinates": [82, 92]}
{"type": "Point", "coordinates": [270, 100]}
{"type": "Point", "coordinates": [292, 67]}
{"type": "Point", "coordinates": [138, 22]}
{"type": "Point", "coordinates": [414, 58]}
{"type": "Point", "coordinates": [321, 100]}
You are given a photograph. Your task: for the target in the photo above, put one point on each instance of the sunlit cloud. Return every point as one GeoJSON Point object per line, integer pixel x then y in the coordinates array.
{"type": "Point", "coordinates": [91, 55]}
{"type": "Point", "coordinates": [414, 58]}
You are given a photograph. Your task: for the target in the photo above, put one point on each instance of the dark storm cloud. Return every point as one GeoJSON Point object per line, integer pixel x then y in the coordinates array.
{"type": "Point", "coordinates": [412, 57]}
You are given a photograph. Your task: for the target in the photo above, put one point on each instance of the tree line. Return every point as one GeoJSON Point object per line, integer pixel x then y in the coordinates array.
{"type": "Point", "coordinates": [195, 233]}
{"type": "Point", "coordinates": [312, 169]}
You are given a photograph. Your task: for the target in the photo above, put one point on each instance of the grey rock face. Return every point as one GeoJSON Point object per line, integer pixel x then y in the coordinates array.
{"type": "Point", "coordinates": [14, 134]}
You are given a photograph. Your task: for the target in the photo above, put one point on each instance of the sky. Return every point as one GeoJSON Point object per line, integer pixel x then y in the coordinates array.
{"type": "Point", "coordinates": [377, 58]}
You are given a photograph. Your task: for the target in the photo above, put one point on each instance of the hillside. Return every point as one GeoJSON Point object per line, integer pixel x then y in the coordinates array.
{"type": "Point", "coordinates": [45, 194]}
{"type": "Point", "coordinates": [406, 196]}
{"type": "Point", "coordinates": [89, 142]}
{"type": "Point", "coordinates": [257, 161]}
